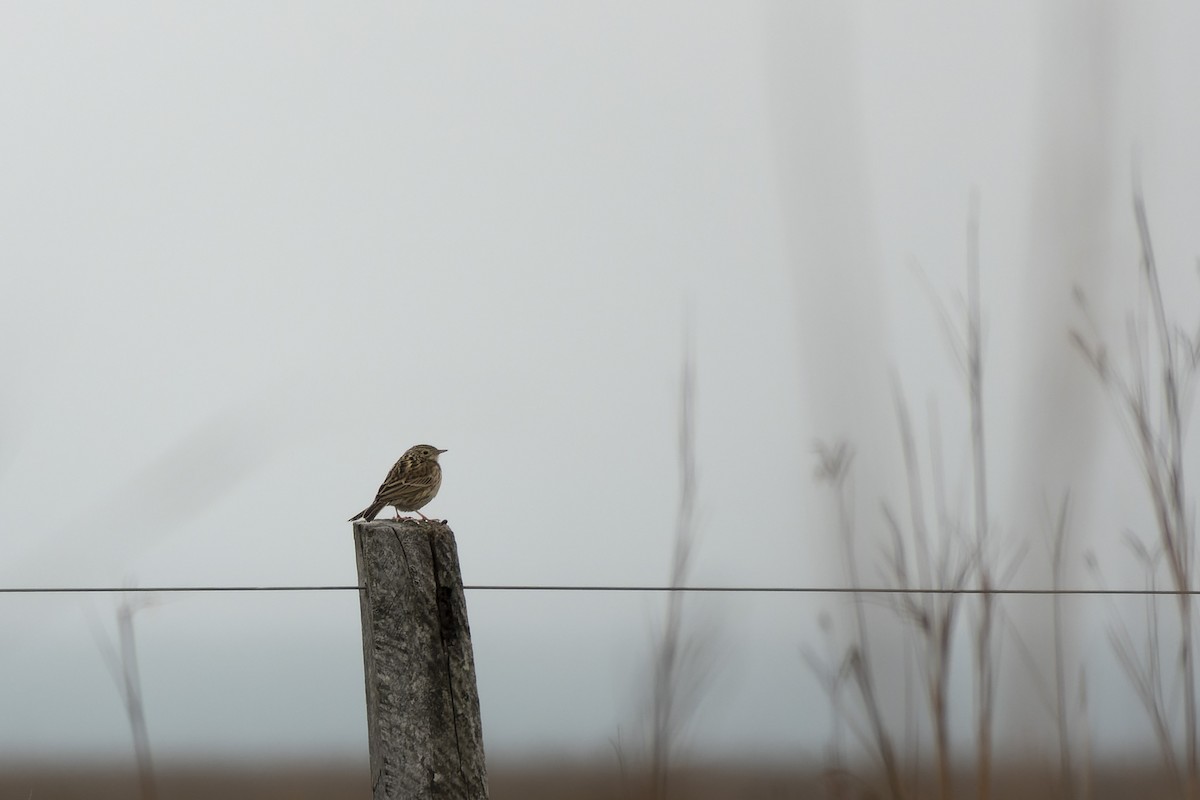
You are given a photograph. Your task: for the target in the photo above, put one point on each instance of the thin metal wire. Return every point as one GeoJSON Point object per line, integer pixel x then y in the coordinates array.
{"type": "Point", "coordinates": [828, 590]}
{"type": "Point", "coordinates": [169, 589]}
{"type": "Point", "coordinates": [601, 588]}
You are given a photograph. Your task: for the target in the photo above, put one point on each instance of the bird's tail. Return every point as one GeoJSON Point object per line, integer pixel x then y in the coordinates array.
{"type": "Point", "coordinates": [369, 513]}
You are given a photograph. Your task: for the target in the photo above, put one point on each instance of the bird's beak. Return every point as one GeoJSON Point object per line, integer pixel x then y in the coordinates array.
{"type": "Point", "coordinates": [442, 451]}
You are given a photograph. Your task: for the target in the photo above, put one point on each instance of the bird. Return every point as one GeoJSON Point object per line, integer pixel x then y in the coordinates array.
{"type": "Point", "coordinates": [412, 482]}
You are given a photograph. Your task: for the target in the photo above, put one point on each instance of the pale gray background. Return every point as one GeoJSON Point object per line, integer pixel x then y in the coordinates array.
{"type": "Point", "coordinates": [251, 252]}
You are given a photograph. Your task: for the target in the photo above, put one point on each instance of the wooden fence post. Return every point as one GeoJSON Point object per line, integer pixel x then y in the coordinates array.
{"type": "Point", "coordinates": [426, 738]}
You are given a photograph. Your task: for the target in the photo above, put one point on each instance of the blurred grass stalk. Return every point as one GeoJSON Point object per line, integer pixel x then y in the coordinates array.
{"type": "Point", "coordinates": [986, 640]}
{"type": "Point", "coordinates": [122, 663]}
{"type": "Point", "coordinates": [677, 678]}
{"type": "Point", "coordinates": [1150, 399]}
{"type": "Point", "coordinates": [938, 552]}
{"type": "Point", "coordinates": [1062, 715]}
{"type": "Point", "coordinates": [856, 665]}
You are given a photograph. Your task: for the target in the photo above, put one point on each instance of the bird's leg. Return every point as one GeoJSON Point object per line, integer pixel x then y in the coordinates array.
{"type": "Point", "coordinates": [423, 516]}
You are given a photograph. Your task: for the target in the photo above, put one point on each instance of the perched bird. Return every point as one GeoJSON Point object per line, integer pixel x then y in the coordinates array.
{"type": "Point", "coordinates": [412, 482]}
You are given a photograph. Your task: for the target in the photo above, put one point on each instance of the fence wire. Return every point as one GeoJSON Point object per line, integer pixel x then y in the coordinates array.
{"type": "Point", "coordinates": [499, 587]}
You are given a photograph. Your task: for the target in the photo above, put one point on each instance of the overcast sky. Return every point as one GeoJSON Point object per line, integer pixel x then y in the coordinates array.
{"type": "Point", "coordinates": [252, 252]}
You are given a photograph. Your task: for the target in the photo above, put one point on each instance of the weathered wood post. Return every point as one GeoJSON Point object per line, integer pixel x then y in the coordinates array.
{"type": "Point", "coordinates": [426, 739]}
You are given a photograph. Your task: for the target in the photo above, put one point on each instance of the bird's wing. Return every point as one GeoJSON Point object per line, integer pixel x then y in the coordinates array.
{"type": "Point", "coordinates": [401, 478]}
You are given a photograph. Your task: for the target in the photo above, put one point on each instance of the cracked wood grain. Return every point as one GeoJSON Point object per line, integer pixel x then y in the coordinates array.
{"type": "Point", "coordinates": [426, 739]}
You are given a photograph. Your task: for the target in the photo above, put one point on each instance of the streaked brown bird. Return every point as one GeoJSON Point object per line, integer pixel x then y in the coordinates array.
{"type": "Point", "coordinates": [413, 481]}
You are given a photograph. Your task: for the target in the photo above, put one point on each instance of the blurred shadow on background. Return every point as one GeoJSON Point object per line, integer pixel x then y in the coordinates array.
{"type": "Point", "coordinates": [192, 474]}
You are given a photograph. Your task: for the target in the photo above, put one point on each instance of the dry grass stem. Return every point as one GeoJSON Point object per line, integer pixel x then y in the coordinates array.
{"type": "Point", "coordinates": [1151, 398]}
{"type": "Point", "coordinates": [681, 660]}
{"type": "Point", "coordinates": [122, 663]}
